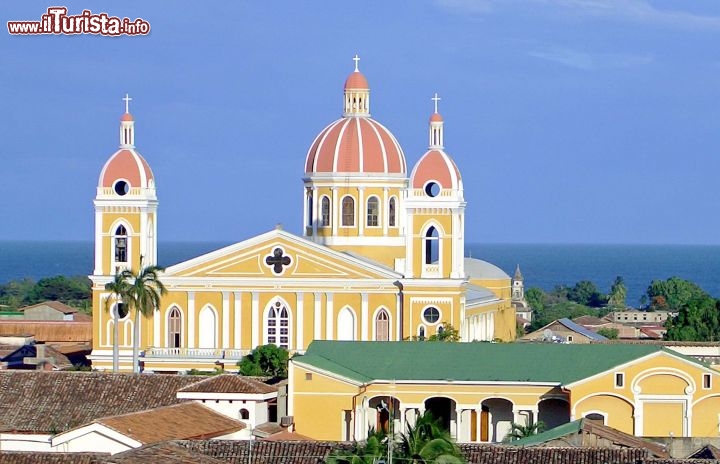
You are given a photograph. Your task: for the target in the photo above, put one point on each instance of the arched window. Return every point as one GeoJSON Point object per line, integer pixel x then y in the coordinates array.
{"type": "Point", "coordinates": [382, 326]}
{"type": "Point", "coordinates": [244, 414]}
{"type": "Point", "coordinates": [391, 213]}
{"type": "Point", "coordinates": [325, 212]}
{"type": "Point", "coordinates": [208, 328]}
{"type": "Point", "coordinates": [346, 325]}
{"type": "Point", "coordinates": [121, 244]}
{"type": "Point", "coordinates": [174, 328]}
{"type": "Point", "coordinates": [348, 211]}
{"type": "Point", "coordinates": [432, 245]}
{"type": "Point", "coordinates": [373, 211]}
{"type": "Point", "coordinates": [421, 332]}
{"type": "Point", "coordinates": [277, 326]}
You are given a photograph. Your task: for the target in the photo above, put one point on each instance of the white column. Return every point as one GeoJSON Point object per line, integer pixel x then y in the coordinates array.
{"type": "Point", "coordinates": [191, 320]}
{"type": "Point", "coordinates": [329, 318]}
{"type": "Point", "coordinates": [225, 319]}
{"type": "Point", "coordinates": [361, 211]}
{"type": "Point", "coordinates": [478, 424]}
{"type": "Point", "coordinates": [317, 317]}
{"type": "Point", "coordinates": [364, 317]}
{"type": "Point", "coordinates": [638, 418]}
{"type": "Point", "coordinates": [385, 213]}
{"type": "Point", "coordinates": [300, 322]}
{"type": "Point", "coordinates": [335, 212]}
{"type": "Point", "coordinates": [409, 237]}
{"type": "Point", "coordinates": [156, 328]}
{"type": "Point", "coordinates": [237, 330]}
{"type": "Point", "coordinates": [316, 213]}
{"type": "Point", "coordinates": [99, 245]}
{"type": "Point", "coordinates": [143, 240]}
{"type": "Point", "coordinates": [255, 310]}
{"type": "Point", "coordinates": [305, 213]}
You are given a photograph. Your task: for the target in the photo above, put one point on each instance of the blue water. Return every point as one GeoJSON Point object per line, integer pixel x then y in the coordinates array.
{"type": "Point", "coordinates": [543, 266]}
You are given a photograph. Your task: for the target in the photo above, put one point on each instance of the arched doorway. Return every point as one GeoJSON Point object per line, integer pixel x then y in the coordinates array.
{"type": "Point", "coordinates": [443, 410]}
{"type": "Point", "coordinates": [346, 325]}
{"type": "Point", "coordinates": [385, 416]}
{"type": "Point", "coordinates": [553, 412]}
{"type": "Point", "coordinates": [496, 419]}
{"type": "Point", "coordinates": [208, 328]}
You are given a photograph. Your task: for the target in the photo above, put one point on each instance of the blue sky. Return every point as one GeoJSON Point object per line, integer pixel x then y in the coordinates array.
{"type": "Point", "coordinates": [572, 121]}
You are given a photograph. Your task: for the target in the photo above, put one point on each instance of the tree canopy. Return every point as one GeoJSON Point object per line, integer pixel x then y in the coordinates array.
{"type": "Point", "coordinates": [697, 320]}
{"type": "Point", "coordinates": [73, 291]}
{"type": "Point", "coordinates": [672, 294]}
{"type": "Point", "coordinates": [265, 360]}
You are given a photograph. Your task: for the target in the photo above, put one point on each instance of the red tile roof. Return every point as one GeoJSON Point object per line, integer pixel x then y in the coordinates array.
{"type": "Point", "coordinates": [493, 454]}
{"type": "Point", "coordinates": [263, 452]}
{"type": "Point", "coordinates": [177, 422]}
{"type": "Point", "coordinates": [35, 457]}
{"type": "Point", "coordinates": [230, 383]}
{"type": "Point", "coordinates": [51, 402]}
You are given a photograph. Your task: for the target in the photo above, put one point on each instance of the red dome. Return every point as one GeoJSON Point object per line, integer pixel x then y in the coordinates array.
{"type": "Point", "coordinates": [356, 80]}
{"type": "Point", "coordinates": [436, 166]}
{"type": "Point", "coordinates": [127, 117]}
{"type": "Point", "coordinates": [436, 117]}
{"type": "Point", "coordinates": [356, 145]}
{"type": "Point", "coordinates": [128, 165]}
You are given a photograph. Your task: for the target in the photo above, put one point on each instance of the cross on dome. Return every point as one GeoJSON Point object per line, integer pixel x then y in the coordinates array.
{"type": "Point", "coordinates": [436, 99]}
{"type": "Point", "coordinates": [356, 59]}
{"type": "Point", "coordinates": [127, 99]}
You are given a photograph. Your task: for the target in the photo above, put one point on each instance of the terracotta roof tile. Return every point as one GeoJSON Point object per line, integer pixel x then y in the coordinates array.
{"type": "Point", "coordinates": [165, 452]}
{"type": "Point", "coordinates": [492, 454]}
{"type": "Point", "coordinates": [286, 435]}
{"type": "Point", "coordinates": [51, 402]}
{"type": "Point", "coordinates": [230, 383]}
{"type": "Point", "coordinates": [56, 305]}
{"type": "Point", "coordinates": [179, 421]}
{"type": "Point", "coordinates": [263, 452]}
{"type": "Point", "coordinates": [35, 457]}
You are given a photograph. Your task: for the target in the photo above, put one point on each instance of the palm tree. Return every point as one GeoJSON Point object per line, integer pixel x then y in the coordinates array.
{"type": "Point", "coordinates": [369, 452]}
{"type": "Point", "coordinates": [523, 431]}
{"type": "Point", "coordinates": [117, 288]}
{"type": "Point", "coordinates": [142, 296]}
{"type": "Point", "coordinates": [427, 441]}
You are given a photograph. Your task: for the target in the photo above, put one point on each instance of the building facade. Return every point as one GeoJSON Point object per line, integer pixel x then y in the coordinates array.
{"type": "Point", "coordinates": [380, 258]}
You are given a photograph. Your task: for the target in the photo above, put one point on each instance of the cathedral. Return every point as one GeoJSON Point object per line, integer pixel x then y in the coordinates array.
{"type": "Point", "coordinates": [381, 256]}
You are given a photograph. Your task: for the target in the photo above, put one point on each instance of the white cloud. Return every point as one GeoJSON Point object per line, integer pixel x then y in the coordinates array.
{"type": "Point", "coordinates": [590, 61]}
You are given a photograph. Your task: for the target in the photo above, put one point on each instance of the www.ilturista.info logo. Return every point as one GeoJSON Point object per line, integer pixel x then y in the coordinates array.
{"type": "Point", "coordinates": [57, 21]}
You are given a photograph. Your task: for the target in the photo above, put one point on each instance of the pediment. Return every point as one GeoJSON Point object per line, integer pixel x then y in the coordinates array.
{"type": "Point", "coordinates": [279, 254]}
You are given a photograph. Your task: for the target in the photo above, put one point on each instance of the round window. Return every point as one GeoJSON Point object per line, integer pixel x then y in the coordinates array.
{"type": "Point", "coordinates": [122, 310]}
{"type": "Point", "coordinates": [432, 189]}
{"type": "Point", "coordinates": [431, 315]}
{"type": "Point", "coordinates": [121, 187]}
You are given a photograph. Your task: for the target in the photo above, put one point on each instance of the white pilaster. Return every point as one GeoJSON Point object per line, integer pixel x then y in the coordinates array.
{"type": "Point", "coordinates": [237, 329]}
{"type": "Point", "coordinates": [364, 317]}
{"type": "Point", "coordinates": [335, 212]}
{"type": "Point", "coordinates": [300, 322]}
{"type": "Point", "coordinates": [156, 328]}
{"type": "Point", "coordinates": [191, 320]}
{"type": "Point", "coordinates": [329, 318]}
{"type": "Point", "coordinates": [385, 211]}
{"type": "Point", "coordinates": [255, 320]}
{"type": "Point", "coordinates": [225, 319]}
{"type": "Point", "coordinates": [361, 211]}
{"type": "Point", "coordinates": [98, 243]}
{"type": "Point", "coordinates": [316, 213]}
{"type": "Point", "coordinates": [317, 317]}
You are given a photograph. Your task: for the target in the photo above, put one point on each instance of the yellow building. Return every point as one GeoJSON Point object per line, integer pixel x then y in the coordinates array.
{"type": "Point", "coordinates": [381, 256]}
{"type": "Point", "coordinates": [338, 390]}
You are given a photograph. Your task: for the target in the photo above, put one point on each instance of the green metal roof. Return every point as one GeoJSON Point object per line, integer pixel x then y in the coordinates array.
{"type": "Point", "coordinates": [571, 428]}
{"type": "Point", "coordinates": [479, 362]}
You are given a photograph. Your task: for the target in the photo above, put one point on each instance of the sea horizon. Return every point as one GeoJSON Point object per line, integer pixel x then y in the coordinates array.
{"type": "Point", "coordinates": [543, 265]}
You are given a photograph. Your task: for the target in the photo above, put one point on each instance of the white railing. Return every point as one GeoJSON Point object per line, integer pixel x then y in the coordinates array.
{"type": "Point", "coordinates": [199, 353]}
{"type": "Point", "coordinates": [431, 270]}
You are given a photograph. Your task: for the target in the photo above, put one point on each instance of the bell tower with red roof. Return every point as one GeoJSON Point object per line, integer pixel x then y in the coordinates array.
{"type": "Point", "coordinates": [125, 207]}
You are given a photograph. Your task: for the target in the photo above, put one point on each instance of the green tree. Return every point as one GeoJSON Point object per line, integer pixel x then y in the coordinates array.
{"type": "Point", "coordinates": [143, 297]}
{"type": "Point", "coordinates": [428, 442]}
{"type": "Point", "coordinates": [609, 332]}
{"type": "Point", "coordinates": [265, 360]}
{"type": "Point", "coordinates": [535, 298]}
{"type": "Point", "coordinates": [618, 293]}
{"type": "Point", "coordinates": [675, 293]}
{"type": "Point", "coordinates": [447, 333]}
{"type": "Point", "coordinates": [519, 431]}
{"type": "Point", "coordinates": [697, 320]}
{"type": "Point", "coordinates": [586, 293]}
{"type": "Point", "coordinates": [118, 288]}
{"type": "Point", "coordinates": [368, 452]}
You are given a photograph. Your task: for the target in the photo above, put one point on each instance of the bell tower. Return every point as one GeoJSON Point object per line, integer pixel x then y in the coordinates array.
{"type": "Point", "coordinates": [125, 207]}
{"type": "Point", "coordinates": [435, 211]}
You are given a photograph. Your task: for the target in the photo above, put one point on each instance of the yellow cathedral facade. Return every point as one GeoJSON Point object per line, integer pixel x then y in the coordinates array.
{"type": "Point", "coordinates": [381, 256]}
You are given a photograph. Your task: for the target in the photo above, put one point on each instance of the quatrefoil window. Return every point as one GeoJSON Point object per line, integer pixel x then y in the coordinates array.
{"type": "Point", "coordinates": [277, 261]}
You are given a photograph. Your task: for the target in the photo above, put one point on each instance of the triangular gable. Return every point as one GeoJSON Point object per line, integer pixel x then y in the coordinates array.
{"type": "Point", "coordinates": [660, 352]}
{"type": "Point", "coordinates": [279, 254]}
